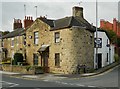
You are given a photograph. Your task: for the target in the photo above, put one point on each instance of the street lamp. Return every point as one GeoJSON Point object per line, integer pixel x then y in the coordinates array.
{"type": "Point", "coordinates": [96, 34]}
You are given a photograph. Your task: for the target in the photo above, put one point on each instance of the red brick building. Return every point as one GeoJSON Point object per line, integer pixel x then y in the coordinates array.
{"type": "Point", "coordinates": [115, 26]}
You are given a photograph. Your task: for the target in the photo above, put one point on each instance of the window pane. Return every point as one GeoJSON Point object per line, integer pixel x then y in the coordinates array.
{"type": "Point", "coordinates": [57, 59]}
{"type": "Point", "coordinates": [35, 59]}
{"type": "Point", "coordinates": [36, 38]}
{"type": "Point", "coordinates": [57, 37]}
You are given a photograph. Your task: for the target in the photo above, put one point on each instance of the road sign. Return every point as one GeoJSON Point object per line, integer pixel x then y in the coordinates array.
{"type": "Point", "coordinates": [98, 41]}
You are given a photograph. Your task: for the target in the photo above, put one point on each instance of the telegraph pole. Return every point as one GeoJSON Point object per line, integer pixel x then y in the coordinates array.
{"type": "Point", "coordinates": [79, 3]}
{"type": "Point", "coordinates": [36, 11]}
{"type": "Point", "coordinates": [24, 9]}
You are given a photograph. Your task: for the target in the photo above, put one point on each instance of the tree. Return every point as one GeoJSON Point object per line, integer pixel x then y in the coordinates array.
{"type": "Point", "coordinates": [5, 32]}
{"type": "Point", "coordinates": [18, 57]}
{"type": "Point", "coordinates": [118, 41]}
{"type": "Point", "coordinates": [112, 35]}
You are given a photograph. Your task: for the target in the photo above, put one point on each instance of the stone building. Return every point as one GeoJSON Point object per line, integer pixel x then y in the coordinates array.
{"type": "Point", "coordinates": [61, 45]}
{"type": "Point", "coordinates": [15, 41]}
{"type": "Point", "coordinates": [0, 46]}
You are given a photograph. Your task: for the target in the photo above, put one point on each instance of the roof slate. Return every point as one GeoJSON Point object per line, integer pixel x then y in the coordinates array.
{"type": "Point", "coordinates": [17, 32]}
{"type": "Point", "coordinates": [72, 21]}
{"type": "Point", "coordinates": [47, 21]}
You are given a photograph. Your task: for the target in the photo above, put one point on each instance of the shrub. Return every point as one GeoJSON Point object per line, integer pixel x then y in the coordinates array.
{"type": "Point", "coordinates": [116, 57]}
{"type": "Point", "coordinates": [18, 57]}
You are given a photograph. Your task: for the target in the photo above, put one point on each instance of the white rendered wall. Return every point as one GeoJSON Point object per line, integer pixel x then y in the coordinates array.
{"type": "Point", "coordinates": [104, 50]}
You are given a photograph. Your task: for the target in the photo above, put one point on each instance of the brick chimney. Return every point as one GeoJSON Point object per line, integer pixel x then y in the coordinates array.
{"type": "Point", "coordinates": [27, 21]}
{"type": "Point", "coordinates": [115, 25]}
{"type": "Point", "coordinates": [77, 11]}
{"type": "Point", "coordinates": [17, 24]}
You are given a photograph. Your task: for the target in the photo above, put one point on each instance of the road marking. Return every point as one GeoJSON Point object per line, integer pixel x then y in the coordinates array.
{"type": "Point", "coordinates": [80, 85]}
{"type": "Point", "coordinates": [45, 80]}
{"type": "Point", "coordinates": [63, 83]}
{"type": "Point", "coordinates": [14, 85]}
{"type": "Point", "coordinates": [10, 84]}
{"type": "Point", "coordinates": [71, 84]}
{"type": "Point", "coordinates": [91, 86]}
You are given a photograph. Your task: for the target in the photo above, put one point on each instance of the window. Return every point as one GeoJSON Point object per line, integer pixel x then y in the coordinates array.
{"type": "Point", "coordinates": [35, 59]}
{"type": "Point", "coordinates": [107, 57]}
{"type": "Point", "coordinates": [36, 38]}
{"type": "Point", "coordinates": [57, 37]}
{"type": "Point", "coordinates": [24, 39]}
{"type": "Point", "coordinates": [2, 44]}
{"type": "Point", "coordinates": [57, 59]}
{"type": "Point", "coordinates": [12, 42]}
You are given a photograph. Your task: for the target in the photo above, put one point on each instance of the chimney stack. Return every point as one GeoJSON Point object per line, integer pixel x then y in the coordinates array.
{"type": "Point", "coordinates": [17, 24]}
{"type": "Point", "coordinates": [115, 25]}
{"type": "Point", "coordinates": [77, 11]}
{"type": "Point", "coordinates": [27, 21]}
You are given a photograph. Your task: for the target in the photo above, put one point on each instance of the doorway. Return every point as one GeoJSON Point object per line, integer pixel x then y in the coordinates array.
{"type": "Point", "coordinates": [99, 60]}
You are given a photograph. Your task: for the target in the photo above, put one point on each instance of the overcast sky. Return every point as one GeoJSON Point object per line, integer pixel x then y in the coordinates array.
{"type": "Point", "coordinates": [54, 9]}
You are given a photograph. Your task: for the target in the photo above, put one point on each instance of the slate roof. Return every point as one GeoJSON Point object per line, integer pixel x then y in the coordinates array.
{"type": "Point", "coordinates": [72, 21]}
{"type": "Point", "coordinates": [0, 34]}
{"type": "Point", "coordinates": [47, 21]}
{"type": "Point", "coordinates": [17, 32]}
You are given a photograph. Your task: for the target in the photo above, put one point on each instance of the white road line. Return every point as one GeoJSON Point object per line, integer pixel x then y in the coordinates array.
{"type": "Point", "coordinates": [71, 84]}
{"type": "Point", "coordinates": [80, 85]}
{"type": "Point", "coordinates": [45, 80]}
{"type": "Point", "coordinates": [14, 85]}
{"type": "Point", "coordinates": [91, 86]}
{"type": "Point", "coordinates": [10, 83]}
{"type": "Point", "coordinates": [57, 81]}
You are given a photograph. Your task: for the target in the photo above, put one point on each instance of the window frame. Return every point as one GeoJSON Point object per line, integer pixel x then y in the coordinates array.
{"type": "Point", "coordinates": [12, 42]}
{"type": "Point", "coordinates": [57, 37]}
{"type": "Point", "coordinates": [57, 59]}
{"type": "Point", "coordinates": [35, 61]}
{"type": "Point", "coordinates": [36, 38]}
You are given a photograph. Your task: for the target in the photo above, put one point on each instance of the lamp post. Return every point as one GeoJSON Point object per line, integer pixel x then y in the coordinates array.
{"type": "Point", "coordinates": [96, 34]}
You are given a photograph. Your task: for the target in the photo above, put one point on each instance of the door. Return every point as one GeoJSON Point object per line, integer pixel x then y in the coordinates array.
{"type": "Point", "coordinates": [45, 59]}
{"type": "Point", "coordinates": [99, 60]}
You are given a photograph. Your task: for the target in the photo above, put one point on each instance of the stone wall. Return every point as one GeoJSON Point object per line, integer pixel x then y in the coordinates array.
{"type": "Point", "coordinates": [22, 69]}
{"type": "Point", "coordinates": [17, 47]}
{"type": "Point", "coordinates": [44, 38]}
{"type": "Point", "coordinates": [76, 47]}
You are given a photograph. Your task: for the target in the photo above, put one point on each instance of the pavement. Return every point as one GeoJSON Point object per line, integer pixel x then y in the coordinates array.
{"type": "Point", "coordinates": [50, 76]}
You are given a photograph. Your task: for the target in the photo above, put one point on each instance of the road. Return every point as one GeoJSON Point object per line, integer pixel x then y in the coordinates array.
{"type": "Point", "coordinates": [108, 79]}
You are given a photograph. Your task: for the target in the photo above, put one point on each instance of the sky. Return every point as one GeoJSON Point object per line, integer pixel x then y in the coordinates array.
{"type": "Point", "coordinates": [55, 9]}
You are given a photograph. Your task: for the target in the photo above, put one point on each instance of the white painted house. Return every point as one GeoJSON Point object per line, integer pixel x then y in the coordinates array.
{"type": "Point", "coordinates": [105, 50]}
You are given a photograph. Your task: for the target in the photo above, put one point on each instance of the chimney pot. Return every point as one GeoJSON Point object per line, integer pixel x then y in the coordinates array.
{"type": "Point", "coordinates": [29, 17]}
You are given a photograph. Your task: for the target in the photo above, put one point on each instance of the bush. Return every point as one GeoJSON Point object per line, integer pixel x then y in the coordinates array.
{"type": "Point", "coordinates": [116, 57]}
{"type": "Point", "coordinates": [18, 57]}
